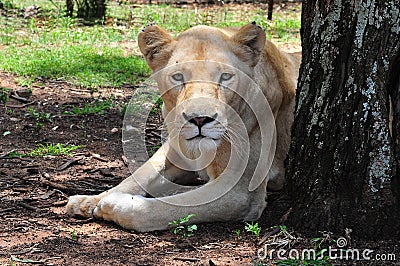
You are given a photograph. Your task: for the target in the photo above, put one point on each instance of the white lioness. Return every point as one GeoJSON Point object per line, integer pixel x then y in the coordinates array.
{"type": "Point", "coordinates": [207, 77]}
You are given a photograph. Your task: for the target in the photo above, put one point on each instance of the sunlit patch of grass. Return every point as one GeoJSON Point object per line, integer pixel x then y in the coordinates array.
{"type": "Point", "coordinates": [284, 26]}
{"type": "Point", "coordinates": [96, 107]}
{"type": "Point", "coordinates": [89, 67]}
{"type": "Point", "coordinates": [50, 149]}
{"type": "Point", "coordinates": [47, 150]}
{"type": "Point", "coordinates": [53, 46]}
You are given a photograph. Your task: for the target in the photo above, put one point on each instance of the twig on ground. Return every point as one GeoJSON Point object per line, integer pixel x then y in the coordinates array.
{"type": "Point", "coordinates": [7, 210]}
{"type": "Point", "coordinates": [55, 185]}
{"type": "Point", "coordinates": [19, 98]}
{"type": "Point", "coordinates": [27, 206]}
{"type": "Point", "coordinates": [72, 190]}
{"type": "Point", "coordinates": [33, 261]}
{"type": "Point", "coordinates": [269, 234]}
{"type": "Point", "coordinates": [28, 250]}
{"type": "Point", "coordinates": [80, 221]}
{"type": "Point", "coordinates": [98, 157]}
{"type": "Point", "coordinates": [20, 106]}
{"type": "Point", "coordinates": [68, 164]}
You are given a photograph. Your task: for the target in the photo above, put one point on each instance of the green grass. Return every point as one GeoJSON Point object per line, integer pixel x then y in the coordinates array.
{"type": "Point", "coordinates": [40, 116]}
{"type": "Point", "coordinates": [50, 149]}
{"type": "Point", "coordinates": [96, 107]}
{"type": "Point", "coordinates": [89, 67]}
{"type": "Point", "coordinates": [57, 47]}
{"type": "Point", "coordinates": [152, 150]}
{"type": "Point", "coordinates": [4, 92]}
{"type": "Point", "coordinates": [47, 150]}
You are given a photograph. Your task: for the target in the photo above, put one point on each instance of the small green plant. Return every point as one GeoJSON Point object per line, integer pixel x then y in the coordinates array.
{"type": "Point", "coordinates": [152, 150]}
{"type": "Point", "coordinates": [50, 149]}
{"type": "Point", "coordinates": [39, 125]}
{"type": "Point", "coordinates": [15, 155]}
{"type": "Point", "coordinates": [40, 116]}
{"type": "Point", "coordinates": [74, 235]}
{"type": "Point", "coordinates": [253, 228]}
{"type": "Point", "coordinates": [83, 126]}
{"type": "Point", "coordinates": [238, 232]}
{"type": "Point", "coordinates": [12, 262]}
{"type": "Point", "coordinates": [4, 94]}
{"type": "Point", "coordinates": [181, 226]}
{"type": "Point", "coordinates": [96, 107]}
{"type": "Point", "coordinates": [46, 150]}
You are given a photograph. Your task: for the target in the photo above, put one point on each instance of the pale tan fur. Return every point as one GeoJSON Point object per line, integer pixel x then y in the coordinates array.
{"type": "Point", "coordinates": [246, 49]}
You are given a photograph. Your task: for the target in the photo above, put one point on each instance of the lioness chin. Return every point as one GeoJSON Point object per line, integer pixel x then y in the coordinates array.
{"type": "Point", "coordinates": [213, 82]}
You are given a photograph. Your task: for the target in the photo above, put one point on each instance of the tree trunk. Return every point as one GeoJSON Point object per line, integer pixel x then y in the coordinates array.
{"type": "Point", "coordinates": [270, 9]}
{"type": "Point", "coordinates": [91, 9]}
{"type": "Point", "coordinates": [70, 7]}
{"type": "Point", "coordinates": [342, 170]}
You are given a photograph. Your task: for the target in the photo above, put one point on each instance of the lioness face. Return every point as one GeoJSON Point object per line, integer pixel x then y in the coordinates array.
{"type": "Point", "coordinates": [200, 77]}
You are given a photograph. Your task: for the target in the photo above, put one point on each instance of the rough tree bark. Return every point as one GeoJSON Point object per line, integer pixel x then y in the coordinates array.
{"type": "Point", "coordinates": [87, 9]}
{"type": "Point", "coordinates": [342, 170]}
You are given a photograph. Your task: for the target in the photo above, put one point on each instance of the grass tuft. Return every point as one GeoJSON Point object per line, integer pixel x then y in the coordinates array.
{"type": "Point", "coordinates": [96, 107]}
{"type": "Point", "coordinates": [47, 150]}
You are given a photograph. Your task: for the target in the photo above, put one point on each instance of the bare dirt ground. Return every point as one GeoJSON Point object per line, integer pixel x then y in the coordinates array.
{"type": "Point", "coordinates": [34, 191]}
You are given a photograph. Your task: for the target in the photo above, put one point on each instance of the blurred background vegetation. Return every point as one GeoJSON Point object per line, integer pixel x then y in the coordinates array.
{"type": "Point", "coordinates": [50, 39]}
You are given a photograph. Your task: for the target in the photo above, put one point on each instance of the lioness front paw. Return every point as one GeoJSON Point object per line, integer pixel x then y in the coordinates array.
{"type": "Point", "coordinates": [123, 209]}
{"type": "Point", "coordinates": [81, 205]}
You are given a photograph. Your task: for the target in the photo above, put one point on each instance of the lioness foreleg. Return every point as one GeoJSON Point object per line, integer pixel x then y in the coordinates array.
{"type": "Point", "coordinates": [149, 214]}
{"type": "Point", "coordinates": [151, 178]}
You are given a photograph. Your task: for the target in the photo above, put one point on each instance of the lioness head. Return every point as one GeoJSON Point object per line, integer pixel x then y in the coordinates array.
{"type": "Point", "coordinates": [199, 77]}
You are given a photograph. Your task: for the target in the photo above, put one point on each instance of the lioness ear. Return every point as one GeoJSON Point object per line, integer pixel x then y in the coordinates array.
{"type": "Point", "coordinates": [155, 44]}
{"type": "Point", "coordinates": [249, 42]}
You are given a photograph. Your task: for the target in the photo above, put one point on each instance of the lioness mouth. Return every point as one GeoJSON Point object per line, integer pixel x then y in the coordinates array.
{"type": "Point", "coordinates": [195, 137]}
{"type": "Point", "coordinates": [200, 137]}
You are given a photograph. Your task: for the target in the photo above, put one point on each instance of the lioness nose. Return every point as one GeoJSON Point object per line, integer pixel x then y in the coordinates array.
{"type": "Point", "coordinates": [199, 120]}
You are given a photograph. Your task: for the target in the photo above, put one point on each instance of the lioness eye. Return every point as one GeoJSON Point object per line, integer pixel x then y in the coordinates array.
{"type": "Point", "coordinates": [177, 77]}
{"type": "Point", "coordinates": [226, 76]}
